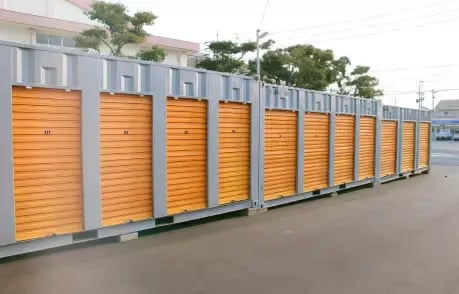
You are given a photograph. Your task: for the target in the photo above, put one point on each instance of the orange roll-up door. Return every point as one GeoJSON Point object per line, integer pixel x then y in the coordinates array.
{"type": "Point", "coordinates": [424, 144]}
{"type": "Point", "coordinates": [234, 152]}
{"type": "Point", "coordinates": [367, 147]}
{"type": "Point", "coordinates": [186, 155]}
{"type": "Point", "coordinates": [280, 154]}
{"type": "Point", "coordinates": [316, 139]}
{"type": "Point", "coordinates": [388, 148]}
{"type": "Point", "coordinates": [126, 158]}
{"type": "Point", "coordinates": [409, 130]}
{"type": "Point", "coordinates": [47, 162]}
{"type": "Point", "coordinates": [344, 149]}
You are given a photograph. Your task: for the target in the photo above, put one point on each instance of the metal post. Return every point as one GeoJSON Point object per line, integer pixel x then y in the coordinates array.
{"type": "Point", "coordinates": [212, 140]}
{"type": "Point", "coordinates": [357, 141]}
{"type": "Point", "coordinates": [7, 224]}
{"type": "Point", "coordinates": [300, 143]}
{"type": "Point", "coordinates": [378, 141]}
{"type": "Point", "coordinates": [90, 74]}
{"type": "Point", "coordinates": [331, 142]}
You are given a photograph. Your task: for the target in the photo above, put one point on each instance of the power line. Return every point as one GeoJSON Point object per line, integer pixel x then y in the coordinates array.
{"type": "Point", "coordinates": [399, 21]}
{"type": "Point", "coordinates": [362, 18]}
{"type": "Point", "coordinates": [413, 68]}
{"type": "Point", "coordinates": [383, 32]}
{"type": "Point", "coordinates": [264, 14]}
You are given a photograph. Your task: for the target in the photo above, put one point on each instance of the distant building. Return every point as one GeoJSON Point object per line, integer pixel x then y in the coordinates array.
{"type": "Point", "coordinates": [446, 116]}
{"type": "Point", "coordinates": [57, 22]}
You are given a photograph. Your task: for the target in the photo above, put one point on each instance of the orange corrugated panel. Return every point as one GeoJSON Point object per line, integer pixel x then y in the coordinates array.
{"type": "Point", "coordinates": [234, 152]}
{"type": "Point", "coordinates": [367, 147]}
{"type": "Point", "coordinates": [424, 144]}
{"type": "Point", "coordinates": [47, 162]}
{"type": "Point", "coordinates": [344, 149]}
{"type": "Point", "coordinates": [316, 141]}
{"type": "Point", "coordinates": [388, 148]}
{"type": "Point", "coordinates": [186, 155]}
{"type": "Point", "coordinates": [409, 130]}
{"type": "Point", "coordinates": [280, 154]}
{"type": "Point", "coordinates": [126, 186]}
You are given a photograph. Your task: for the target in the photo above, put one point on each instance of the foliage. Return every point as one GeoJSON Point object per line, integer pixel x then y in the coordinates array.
{"type": "Point", "coordinates": [119, 29]}
{"type": "Point", "coordinates": [228, 56]}
{"type": "Point", "coordinates": [154, 54]}
{"type": "Point", "coordinates": [363, 85]}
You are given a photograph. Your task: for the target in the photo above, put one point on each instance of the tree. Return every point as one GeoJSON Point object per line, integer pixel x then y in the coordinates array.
{"type": "Point", "coordinates": [119, 29]}
{"type": "Point", "coordinates": [363, 85]}
{"type": "Point", "coordinates": [228, 56]}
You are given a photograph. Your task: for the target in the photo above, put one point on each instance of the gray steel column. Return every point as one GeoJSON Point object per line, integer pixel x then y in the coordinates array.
{"type": "Point", "coordinates": [90, 73]}
{"type": "Point", "coordinates": [254, 144]}
{"type": "Point", "coordinates": [399, 141]}
{"type": "Point", "coordinates": [212, 140]}
{"type": "Point", "coordinates": [7, 215]}
{"type": "Point", "coordinates": [416, 140]}
{"type": "Point", "coordinates": [300, 143]}
{"type": "Point", "coordinates": [159, 86]}
{"type": "Point", "coordinates": [378, 142]}
{"type": "Point", "coordinates": [261, 149]}
{"type": "Point", "coordinates": [331, 143]}
{"type": "Point", "coordinates": [357, 140]}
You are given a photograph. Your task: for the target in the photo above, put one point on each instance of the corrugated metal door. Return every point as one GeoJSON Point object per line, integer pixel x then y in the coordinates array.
{"type": "Point", "coordinates": [126, 158]}
{"type": "Point", "coordinates": [409, 130]}
{"type": "Point", "coordinates": [186, 155]}
{"type": "Point", "coordinates": [316, 139]}
{"type": "Point", "coordinates": [47, 162]}
{"type": "Point", "coordinates": [344, 149]}
{"type": "Point", "coordinates": [424, 142]}
{"type": "Point", "coordinates": [367, 147]}
{"type": "Point", "coordinates": [388, 148]}
{"type": "Point", "coordinates": [280, 154]}
{"type": "Point", "coordinates": [234, 152]}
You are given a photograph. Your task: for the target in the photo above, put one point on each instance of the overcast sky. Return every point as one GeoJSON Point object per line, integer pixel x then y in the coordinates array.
{"type": "Point", "coordinates": [419, 36]}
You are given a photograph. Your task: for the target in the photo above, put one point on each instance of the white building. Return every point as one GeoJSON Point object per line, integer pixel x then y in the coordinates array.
{"type": "Point", "coordinates": [57, 22]}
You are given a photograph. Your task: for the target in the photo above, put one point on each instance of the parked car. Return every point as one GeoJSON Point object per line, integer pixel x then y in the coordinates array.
{"type": "Point", "coordinates": [443, 136]}
{"type": "Point", "coordinates": [456, 137]}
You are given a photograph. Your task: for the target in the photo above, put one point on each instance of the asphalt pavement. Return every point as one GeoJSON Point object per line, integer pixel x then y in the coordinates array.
{"type": "Point", "coordinates": [445, 153]}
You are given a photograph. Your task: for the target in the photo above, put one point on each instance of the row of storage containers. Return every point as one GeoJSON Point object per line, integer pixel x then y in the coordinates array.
{"type": "Point", "coordinates": [93, 146]}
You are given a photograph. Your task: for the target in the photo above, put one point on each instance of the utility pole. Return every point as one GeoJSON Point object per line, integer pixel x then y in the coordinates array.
{"type": "Point", "coordinates": [433, 99]}
{"type": "Point", "coordinates": [421, 94]}
{"type": "Point", "coordinates": [259, 37]}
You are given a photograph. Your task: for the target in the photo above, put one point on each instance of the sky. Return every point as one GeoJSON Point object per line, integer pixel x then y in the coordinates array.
{"type": "Point", "coordinates": [403, 41]}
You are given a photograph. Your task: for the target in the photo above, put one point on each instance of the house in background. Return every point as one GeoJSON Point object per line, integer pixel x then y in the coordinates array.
{"type": "Point", "coordinates": [57, 22]}
{"type": "Point", "coordinates": [446, 116]}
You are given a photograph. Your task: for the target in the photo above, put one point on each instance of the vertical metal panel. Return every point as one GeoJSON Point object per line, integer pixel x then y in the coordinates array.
{"type": "Point", "coordinates": [416, 140]}
{"type": "Point", "coordinates": [357, 140]}
{"type": "Point", "coordinates": [254, 143]}
{"type": "Point", "coordinates": [89, 76]}
{"type": "Point", "coordinates": [388, 147]}
{"type": "Point", "coordinates": [7, 225]}
{"type": "Point", "coordinates": [331, 143]}
{"type": "Point", "coordinates": [378, 141]}
{"type": "Point", "coordinates": [212, 142]}
{"type": "Point", "coordinates": [344, 149]}
{"type": "Point", "coordinates": [367, 147]}
{"type": "Point", "coordinates": [399, 140]}
{"type": "Point", "coordinates": [261, 146]}
{"type": "Point", "coordinates": [300, 143]}
{"type": "Point", "coordinates": [159, 85]}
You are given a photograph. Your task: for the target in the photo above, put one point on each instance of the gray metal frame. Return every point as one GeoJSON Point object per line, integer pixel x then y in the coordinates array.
{"type": "Point", "coordinates": [92, 74]}
{"type": "Point", "coordinates": [357, 142]}
{"type": "Point", "coordinates": [7, 212]}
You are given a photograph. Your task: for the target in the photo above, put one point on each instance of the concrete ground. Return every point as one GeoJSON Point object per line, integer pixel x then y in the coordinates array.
{"type": "Point", "coordinates": [399, 238]}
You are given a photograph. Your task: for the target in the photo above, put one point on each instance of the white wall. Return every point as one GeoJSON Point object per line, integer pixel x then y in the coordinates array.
{"type": "Point", "coordinates": [59, 9]}
{"type": "Point", "coordinates": [15, 33]}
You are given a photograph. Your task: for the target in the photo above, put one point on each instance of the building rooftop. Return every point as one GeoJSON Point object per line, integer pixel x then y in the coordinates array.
{"type": "Point", "coordinates": [448, 105]}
